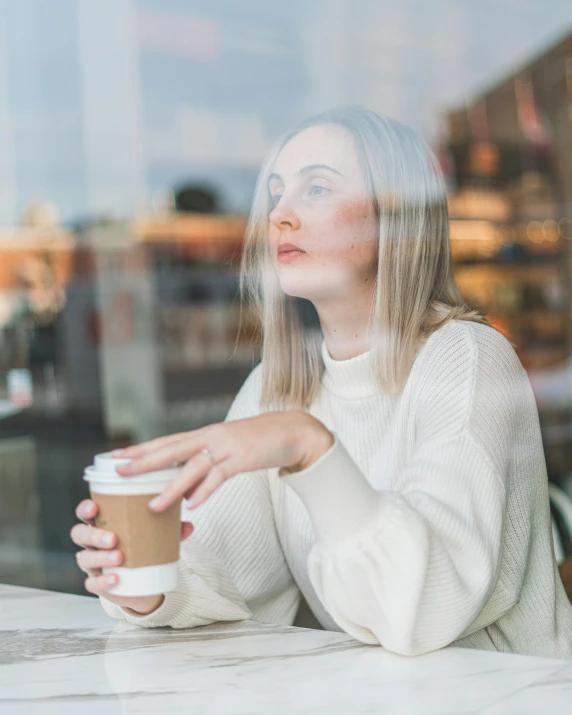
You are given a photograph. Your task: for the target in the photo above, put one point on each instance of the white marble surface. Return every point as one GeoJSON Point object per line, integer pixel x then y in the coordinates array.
{"type": "Point", "coordinates": [61, 654]}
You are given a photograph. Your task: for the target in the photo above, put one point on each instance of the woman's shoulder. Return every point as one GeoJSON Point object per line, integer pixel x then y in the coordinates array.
{"type": "Point", "coordinates": [471, 345]}
{"type": "Point", "coordinates": [464, 361]}
{"type": "Point", "coordinates": [468, 378]}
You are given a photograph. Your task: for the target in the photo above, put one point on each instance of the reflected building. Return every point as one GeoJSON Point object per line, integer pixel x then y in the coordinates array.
{"type": "Point", "coordinates": [70, 109]}
{"type": "Point", "coordinates": [508, 155]}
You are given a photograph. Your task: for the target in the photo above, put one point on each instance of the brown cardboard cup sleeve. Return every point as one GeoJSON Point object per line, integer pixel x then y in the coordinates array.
{"type": "Point", "coordinates": [147, 538]}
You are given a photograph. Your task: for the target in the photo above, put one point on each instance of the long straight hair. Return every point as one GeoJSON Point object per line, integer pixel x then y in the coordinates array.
{"type": "Point", "coordinates": [416, 292]}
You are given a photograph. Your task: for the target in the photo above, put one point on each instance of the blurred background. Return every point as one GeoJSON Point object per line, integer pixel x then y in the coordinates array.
{"type": "Point", "coordinates": [131, 132]}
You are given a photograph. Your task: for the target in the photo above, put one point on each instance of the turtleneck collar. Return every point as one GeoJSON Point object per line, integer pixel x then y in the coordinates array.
{"type": "Point", "coordinates": [352, 378]}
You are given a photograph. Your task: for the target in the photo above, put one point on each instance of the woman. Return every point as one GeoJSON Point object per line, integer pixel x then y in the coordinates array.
{"type": "Point", "coordinates": [384, 460]}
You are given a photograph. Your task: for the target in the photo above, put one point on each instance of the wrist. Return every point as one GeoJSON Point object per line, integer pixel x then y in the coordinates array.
{"type": "Point", "coordinates": [145, 606]}
{"type": "Point", "coordinates": [315, 439]}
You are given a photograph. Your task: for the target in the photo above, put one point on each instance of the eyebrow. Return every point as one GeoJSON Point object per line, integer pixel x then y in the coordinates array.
{"type": "Point", "coordinates": [307, 170]}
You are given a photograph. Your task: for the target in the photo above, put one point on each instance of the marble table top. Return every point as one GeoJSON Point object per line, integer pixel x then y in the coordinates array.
{"type": "Point", "coordinates": [62, 654]}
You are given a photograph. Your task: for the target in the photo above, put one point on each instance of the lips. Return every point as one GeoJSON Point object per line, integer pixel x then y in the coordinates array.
{"type": "Point", "coordinates": [288, 247]}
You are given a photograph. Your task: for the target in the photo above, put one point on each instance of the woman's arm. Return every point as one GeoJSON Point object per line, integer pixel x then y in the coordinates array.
{"type": "Point", "coordinates": [413, 568]}
{"type": "Point", "coordinates": [232, 567]}
{"type": "Point", "coordinates": [410, 570]}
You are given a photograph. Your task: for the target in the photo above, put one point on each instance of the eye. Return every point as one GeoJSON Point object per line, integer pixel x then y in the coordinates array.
{"type": "Point", "coordinates": [317, 190]}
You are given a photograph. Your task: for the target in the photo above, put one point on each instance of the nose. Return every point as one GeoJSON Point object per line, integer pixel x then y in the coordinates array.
{"type": "Point", "coordinates": [283, 216]}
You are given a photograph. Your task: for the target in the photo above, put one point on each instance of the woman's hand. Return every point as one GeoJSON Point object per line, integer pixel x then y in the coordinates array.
{"type": "Point", "coordinates": [291, 439]}
{"type": "Point", "coordinates": [99, 552]}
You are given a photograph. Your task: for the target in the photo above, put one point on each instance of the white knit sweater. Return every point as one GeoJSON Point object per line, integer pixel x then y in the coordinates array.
{"type": "Point", "coordinates": [425, 524]}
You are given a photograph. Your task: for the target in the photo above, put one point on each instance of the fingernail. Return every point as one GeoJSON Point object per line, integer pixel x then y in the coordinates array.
{"type": "Point", "coordinates": [110, 580]}
{"type": "Point", "coordinates": [117, 452]}
{"type": "Point", "coordinates": [107, 539]}
{"type": "Point", "coordinates": [154, 503]}
{"type": "Point", "coordinates": [191, 503]}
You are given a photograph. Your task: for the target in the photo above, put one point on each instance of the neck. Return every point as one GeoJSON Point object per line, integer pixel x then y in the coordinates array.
{"type": "Point", "coordinates": [345, 326]}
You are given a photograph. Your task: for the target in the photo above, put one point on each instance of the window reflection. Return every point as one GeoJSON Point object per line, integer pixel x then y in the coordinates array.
{"type": "Point", "coordinates": [126, 181]}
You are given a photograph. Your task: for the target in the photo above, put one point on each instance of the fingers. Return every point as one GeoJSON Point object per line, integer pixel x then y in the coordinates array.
{"type": "Point", "coordinates": [86, 509]}
{"type": "Point", "coordinates": [95, 560]}
{"type": "Point", "coordinates": [140, 450]}
{"type": "Point", "coordinates": [217, 476]}
{"type": "Point", "coordinates": [84, 535]}
{"type": "Point", "coordinates": [186, 530]}
{"type": "Point", "coordinates": [191, 474]}
{"type": "Point", "coordinates": [160, 458]}
{"type": "Point", "coordinates": [99, 585]}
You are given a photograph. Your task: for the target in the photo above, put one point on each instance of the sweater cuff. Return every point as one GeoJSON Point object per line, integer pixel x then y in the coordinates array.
{"type": "Point", "coordinates": [337, 495]}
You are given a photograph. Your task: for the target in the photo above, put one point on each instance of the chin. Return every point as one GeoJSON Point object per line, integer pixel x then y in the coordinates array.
{"type": "Point", "coordinates": [297, 291]}
{"type": "Point", "coordinates": [321, 285]}
{"type": "Point", "coordinates": [308, 290]}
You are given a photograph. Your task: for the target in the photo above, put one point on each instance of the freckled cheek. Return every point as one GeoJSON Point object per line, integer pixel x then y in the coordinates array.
{"type": "Point", "coordinates": [353, 232]}
{"type": "Point", "coordinates": [351, 212]}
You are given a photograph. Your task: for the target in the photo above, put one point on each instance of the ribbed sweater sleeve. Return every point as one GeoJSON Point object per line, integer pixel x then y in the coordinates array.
{"type": "Point", "coordinates": [412, 568]}
{"type": "Point", "coordinates": [232, 567]}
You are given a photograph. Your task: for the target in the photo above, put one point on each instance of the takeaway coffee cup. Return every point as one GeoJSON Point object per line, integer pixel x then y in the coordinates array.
{"type": "Point", "coordinates": [150, 541]}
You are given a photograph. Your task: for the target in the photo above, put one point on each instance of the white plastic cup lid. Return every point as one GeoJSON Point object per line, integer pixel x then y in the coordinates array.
{"type": "Point", "coordinates": [104, 470]}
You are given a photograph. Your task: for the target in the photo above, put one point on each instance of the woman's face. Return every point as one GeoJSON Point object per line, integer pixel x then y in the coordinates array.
{"type": "Point", "coordinates": [322, 205]}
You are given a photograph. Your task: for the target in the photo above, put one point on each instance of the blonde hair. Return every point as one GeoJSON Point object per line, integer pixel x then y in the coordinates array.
{"type": "Point", "coordinates": [416, 292]}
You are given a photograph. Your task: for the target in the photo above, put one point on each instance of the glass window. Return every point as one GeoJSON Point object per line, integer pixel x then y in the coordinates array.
{"type": "Point", "coordinates": [132, 134]}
